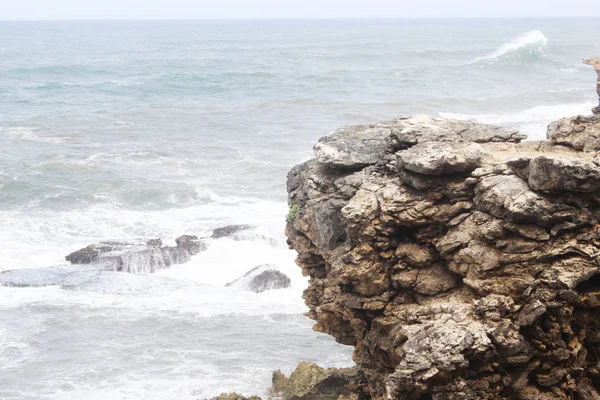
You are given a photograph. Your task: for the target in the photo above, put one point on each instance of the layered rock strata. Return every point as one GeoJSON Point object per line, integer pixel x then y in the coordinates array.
{"type": "Point", "coordinates": [459, 261]}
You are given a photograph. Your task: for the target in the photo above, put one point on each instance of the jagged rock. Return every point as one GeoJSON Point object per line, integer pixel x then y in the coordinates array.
{"type": "Point", "coordinates": [579, 132]}
{"type": "Point", "coordinates": [311, 382]}
{"type": "Point", "coordinates": [555, 174]}
{"type": "Point", "coordinates": [262, 278]}
{"type": "Point", "coordinates": [595, 63]}
{"type": "Point", "coordinates": [138, 257]}
{"type": "Point", "coordinates": [354, 147]}
{"type": "Point", "coordinates": [229, 230]}
{"type": "Point", "coordinates": [459, 262]}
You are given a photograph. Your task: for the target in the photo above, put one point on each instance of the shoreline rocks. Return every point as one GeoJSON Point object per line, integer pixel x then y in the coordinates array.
{"type": "Point", "coordinates": [309, 382]}
{"type": "Point", "coordinates": [141, 257]}
{"type": "Point", "coordinates": [459, 261]}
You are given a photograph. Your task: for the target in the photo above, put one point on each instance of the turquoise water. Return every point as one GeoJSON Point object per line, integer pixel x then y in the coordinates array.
{"type": "Point", "coordinates": [122, 130]}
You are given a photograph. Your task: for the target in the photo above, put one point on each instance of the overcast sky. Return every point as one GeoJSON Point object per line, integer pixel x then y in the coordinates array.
{"type": "Point", "coordinates": [193, 9]}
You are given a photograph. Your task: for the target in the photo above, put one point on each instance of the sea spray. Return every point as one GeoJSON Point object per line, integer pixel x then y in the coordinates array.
{"type": "Point", "coordinates": [526, 47]}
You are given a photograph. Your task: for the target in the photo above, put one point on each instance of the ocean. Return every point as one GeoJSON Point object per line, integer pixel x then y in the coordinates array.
{"type": "Point", "coordinates": [127, 130]}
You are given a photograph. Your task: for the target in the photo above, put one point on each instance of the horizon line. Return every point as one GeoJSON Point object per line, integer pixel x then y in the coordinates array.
{"type": "Point", "coordinates": [156, 19]}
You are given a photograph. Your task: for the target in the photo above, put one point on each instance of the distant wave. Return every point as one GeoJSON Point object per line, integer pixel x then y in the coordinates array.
{"type": "Point", "coordinates": [526, 47]}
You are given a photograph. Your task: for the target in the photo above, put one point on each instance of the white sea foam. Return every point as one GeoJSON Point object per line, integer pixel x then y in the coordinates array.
{"type": "Point", "coordinates": [529, 44]}
{"type": "Point", "coordinates": [29, 134]}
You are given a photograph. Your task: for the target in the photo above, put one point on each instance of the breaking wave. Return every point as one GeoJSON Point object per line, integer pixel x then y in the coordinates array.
{"type": "Point", "coordinates": [526, 47]}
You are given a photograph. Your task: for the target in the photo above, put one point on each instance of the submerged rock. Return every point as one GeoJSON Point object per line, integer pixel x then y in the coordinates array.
{"type": "Point", "coordinates": [458, 261]}
{"type": "Point", "coordinates": [262, 278]}
{"type": "Point", "coordinates": [39, 277]}
{"type": "Point", "coordinates": [138, 257]}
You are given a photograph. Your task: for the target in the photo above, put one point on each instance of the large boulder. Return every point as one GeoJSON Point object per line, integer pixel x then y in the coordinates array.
{"type": "Point", "coordinates": [138, 257]}
{"type": "Point", "coordinates": [260, 279]}
{"type": "Point", "coordinates": [460, 262]}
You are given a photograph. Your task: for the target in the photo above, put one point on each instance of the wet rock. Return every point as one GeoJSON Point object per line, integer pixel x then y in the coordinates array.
{"type": "Point", "coordinates": [311, 382]}
{"type": "Point", "coordinates": [234, 396]}
{"type": "Point", "coordinates": [460, 262]}
{"type": "Point", "coordinates": [138, 257]}
{"type": "Point", "coordinates": [260, 279]}
{"type": "Point", "coordinates": [229, 230]}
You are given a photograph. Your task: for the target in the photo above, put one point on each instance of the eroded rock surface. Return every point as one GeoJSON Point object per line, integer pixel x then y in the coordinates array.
{"type": "Point", "coordinates": [460, 262]}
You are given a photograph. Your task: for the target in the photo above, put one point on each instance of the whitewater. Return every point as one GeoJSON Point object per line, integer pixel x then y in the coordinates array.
{"type": "Point", "coordinates": [144, 130]}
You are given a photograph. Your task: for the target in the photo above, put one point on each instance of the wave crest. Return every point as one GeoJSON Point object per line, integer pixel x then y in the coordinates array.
{"type": "Point", "coordinates": [526, 47]}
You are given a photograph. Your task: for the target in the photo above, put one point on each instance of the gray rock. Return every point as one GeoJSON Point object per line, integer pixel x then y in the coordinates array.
{"type": "Point", "coordinates": [579, 132]}
{"type": "Point", "coordinates": [441, 158]}
{"type": "Point", "coordinates": [358, 146]}
{"type": "Point", "coordinates": [353, 146]}
{"type": "Point", "coordinates": [138, 257]}
{"type": "Point", "coordinates": [564, 173]}
{"type": "Point", "coordinates": [424, 128]}
{"type": "Point", "coordinates": [262, 278]}
{"type": "Point", "coordinates": [229, 230]}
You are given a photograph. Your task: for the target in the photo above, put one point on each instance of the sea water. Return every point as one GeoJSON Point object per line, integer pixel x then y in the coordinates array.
{"type": "Point", "coordinates": [129, 130]}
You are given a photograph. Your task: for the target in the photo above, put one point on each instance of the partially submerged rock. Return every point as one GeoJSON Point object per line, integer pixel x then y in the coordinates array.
{"type": "Point", "coordinates": [234, 396]}
{"type": "Point", "coordinates": [260, 279]}
{"type": "Point", "coordinates": [311, 382]}
{"type": "Point", "coordinates": [138, 257]}
{"type": "Point", "coordinates": [459, 262]}
{"type": "Point", "coordinates": [229, 231]}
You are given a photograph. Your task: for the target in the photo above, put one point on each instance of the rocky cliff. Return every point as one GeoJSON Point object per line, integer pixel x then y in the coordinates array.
{"type": "Point", "coordinates": [458, 260]}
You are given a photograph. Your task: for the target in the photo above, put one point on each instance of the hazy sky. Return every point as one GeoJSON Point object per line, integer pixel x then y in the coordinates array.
{"type": "Point", "coordinates": [192, 9]}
